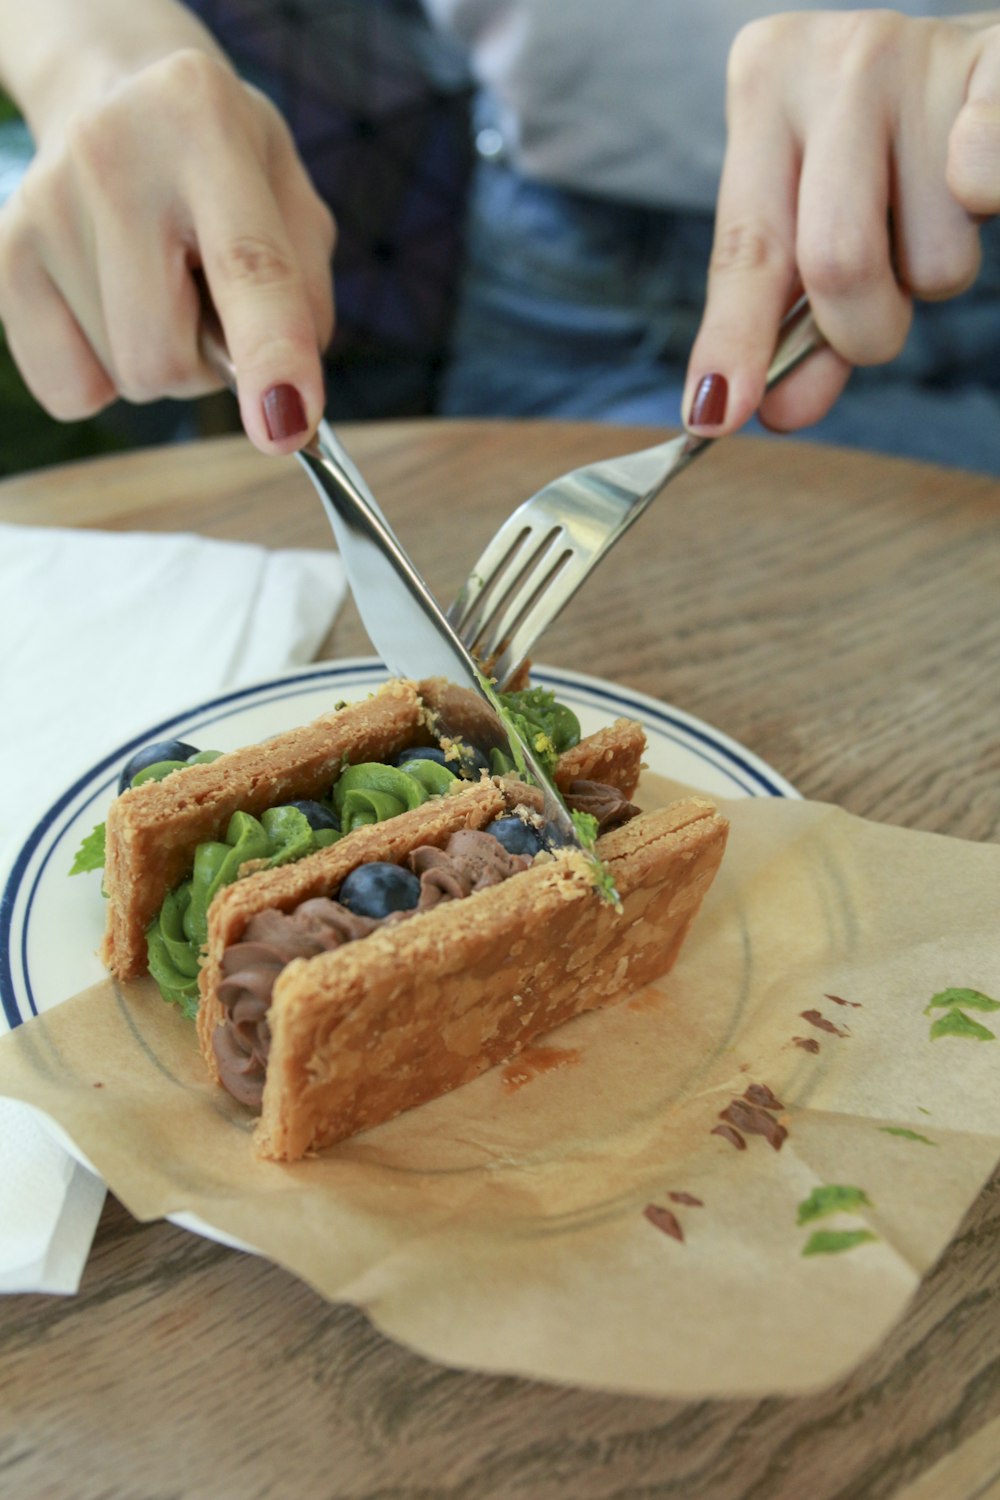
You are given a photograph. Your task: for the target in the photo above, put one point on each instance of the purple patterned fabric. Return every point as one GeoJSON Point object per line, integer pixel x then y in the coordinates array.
{"type": "Point", "coordinates": [378, 104]}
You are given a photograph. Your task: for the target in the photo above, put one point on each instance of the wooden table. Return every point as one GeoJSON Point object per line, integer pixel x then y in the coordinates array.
{"type": "Point", "coordinates": [837, 613]}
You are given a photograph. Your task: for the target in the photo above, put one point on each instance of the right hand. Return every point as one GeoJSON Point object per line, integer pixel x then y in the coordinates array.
{"type": "Point", "coordinates": [180, 168]}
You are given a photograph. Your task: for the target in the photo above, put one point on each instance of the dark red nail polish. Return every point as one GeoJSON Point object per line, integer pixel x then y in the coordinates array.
{"type": "Point", "coordinates": [708, 409]}
{"type": "Point", "coordinates": [284, 414]}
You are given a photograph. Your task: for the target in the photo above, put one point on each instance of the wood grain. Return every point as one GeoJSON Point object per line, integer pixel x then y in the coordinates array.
{"type": "Point", "coordinates": [835, 612]}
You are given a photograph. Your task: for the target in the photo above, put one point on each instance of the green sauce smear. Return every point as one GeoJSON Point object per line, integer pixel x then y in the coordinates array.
{"type": "Point", "coordinates": [955, 1022]}
{"type": "Point", "coordinates": [366, 793]}
{"type": "Point", "coordinates": [907, 1135]}
{"type": "Point", "coordinates": [834, 1241]}
{"type": "Point", "coordinates": [832, 1198]}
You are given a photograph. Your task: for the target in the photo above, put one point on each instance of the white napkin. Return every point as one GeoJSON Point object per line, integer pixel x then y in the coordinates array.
{"type": "Point", "coordinates": [101, 636]}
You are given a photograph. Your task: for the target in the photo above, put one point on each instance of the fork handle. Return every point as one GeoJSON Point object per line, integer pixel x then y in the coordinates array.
{"type": "Point", "coordinates": [799, 336]}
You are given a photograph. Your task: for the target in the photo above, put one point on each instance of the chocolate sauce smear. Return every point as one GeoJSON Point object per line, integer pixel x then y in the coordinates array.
{"type": "Point", "coordinates": [822, 1024]}
{"type": "Point", "coordinates": [662, 1219]}
{"type": "Point", "coordinates": [759, 1093]}
{"type": "Point", "coordinates": [753, 1120]}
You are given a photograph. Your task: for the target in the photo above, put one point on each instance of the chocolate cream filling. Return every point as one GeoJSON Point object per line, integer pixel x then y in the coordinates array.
{"type": "Point", "coordinates": [607, 804]}
{"type": "Point", "coordinates": [470, 861]}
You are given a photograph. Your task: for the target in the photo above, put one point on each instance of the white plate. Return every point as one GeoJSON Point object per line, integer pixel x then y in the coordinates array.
{"type": "Point", "coordinates": [51, 924]}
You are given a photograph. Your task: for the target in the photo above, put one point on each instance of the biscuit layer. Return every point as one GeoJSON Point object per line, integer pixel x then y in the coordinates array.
{"type": "Point", "coordinates": [415, 1010]}
{"type": "Point", "coordinates": [154, 829]}
{"type": "Point", "coordinates": [469, 805]}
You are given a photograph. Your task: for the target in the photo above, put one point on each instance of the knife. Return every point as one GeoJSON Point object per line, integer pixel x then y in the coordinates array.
{"type": "Point", "coordinates": [404, 621]}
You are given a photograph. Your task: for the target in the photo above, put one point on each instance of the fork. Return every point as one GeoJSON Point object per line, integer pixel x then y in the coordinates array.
{"type": "Point", "coordinates": [547, 547]}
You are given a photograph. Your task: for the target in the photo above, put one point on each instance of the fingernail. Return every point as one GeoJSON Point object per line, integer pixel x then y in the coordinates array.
{"type": "Point", "coordinates": [284, 414]}
{"type": "Point", "coordinates": [708, 409]}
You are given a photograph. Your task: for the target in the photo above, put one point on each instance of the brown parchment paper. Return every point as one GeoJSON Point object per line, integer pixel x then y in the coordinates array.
{"type": "Point", "coordinates": [523, 1223]}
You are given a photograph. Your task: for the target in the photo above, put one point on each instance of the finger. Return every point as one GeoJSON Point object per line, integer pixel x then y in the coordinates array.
{"type": "Point", "coordinates": [935, 239]}
{"type": "Point", "coordinates": [752, 270]}
{"type": "Point", "coordinates": [806, 395]}
{"type": "Point", "coordinates": [973, 169]}
{"type": "Point", "coordinates": [843, 247]}
{"type": "Point", "coordinates": [150, 311]}
{"type": "Point", "coordinates": [263, 305]}
{"type": "Point", "coordinates": [56, 360]}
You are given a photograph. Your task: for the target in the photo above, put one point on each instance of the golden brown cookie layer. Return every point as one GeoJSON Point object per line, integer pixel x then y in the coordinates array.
{"type": "Point", "coordinates": [468, 806]}
{"type": "Point", "coordinates": [612, 755]}
{"type": "Point", "coordinates": [413, 1011]}
{"type": "Point", "coordinates": [154, 829]}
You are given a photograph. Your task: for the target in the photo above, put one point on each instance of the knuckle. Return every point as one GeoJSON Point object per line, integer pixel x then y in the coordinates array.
{"type": "Point", "coordinates": [841, 263]}
{"type": "Point", "coordinates": [145, 375]}
{"type": "Point", "coordinates": [744, 246]}
{"type": "Point", "coordinates": [193, 83]}
{"type": "Point", "coordinates": [92, 143]}
{"type": "Point", "coordinates": [753, 51]}
{"type": "Point", "coordinates": [866, 39]}
{"type": "Point", "coordinates": [253, 260]}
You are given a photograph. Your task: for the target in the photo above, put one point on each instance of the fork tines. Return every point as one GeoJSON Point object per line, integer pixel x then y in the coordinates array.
{"type": "Point", "coordinates": [510, 582]}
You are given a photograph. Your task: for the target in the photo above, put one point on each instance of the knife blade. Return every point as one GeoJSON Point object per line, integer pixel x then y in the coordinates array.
{"type": "Point", "coordinates": [407, 626]}
{"type": "Point", "coordinates": [404, 621]}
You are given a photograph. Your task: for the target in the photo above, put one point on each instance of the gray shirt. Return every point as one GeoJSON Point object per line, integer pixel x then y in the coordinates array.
{"type": "Point", "coordinates": [620, 98]}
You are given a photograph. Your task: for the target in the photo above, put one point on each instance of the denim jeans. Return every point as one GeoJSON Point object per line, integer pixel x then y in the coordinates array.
{"type": "Point", "coordinates": [577, 307]}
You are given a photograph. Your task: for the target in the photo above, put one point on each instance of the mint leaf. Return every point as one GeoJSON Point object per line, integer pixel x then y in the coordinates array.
{"type": "Point", "coordinates": [90, 855]}
{"type": "Point", "coordinates": [832, 1198]}
{"type": "Point", "coordinates": [833, 1241]}
{"type": "Point", "coordinates": [907, 1135]}
{"type": "Point", "coordinates": [968, 999]}
{"type": "Point", "coordinates": [957, 1023]}
{"type": "Point", "coordinates": [586, 828]}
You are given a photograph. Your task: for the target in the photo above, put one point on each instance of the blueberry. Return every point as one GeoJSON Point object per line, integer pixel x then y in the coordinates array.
{"type": "Point", "coordinates": [426, 752]}
{"type": "Point", "coordinates": [376, 889]}
{"type": "Point", "coordinates": [150, 755]}
{"type": "Point", "coordinates": [516, 836]}
{"type": "Point", "coordinates": [473, 761]}
{"type": "Point", "coordinates": [316, 815]}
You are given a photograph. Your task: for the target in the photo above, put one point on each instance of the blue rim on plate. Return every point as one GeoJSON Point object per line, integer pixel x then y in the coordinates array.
{"type": "Point", "coordinates": [680, 746]}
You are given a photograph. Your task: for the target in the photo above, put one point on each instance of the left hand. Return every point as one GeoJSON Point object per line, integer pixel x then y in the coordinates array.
{"type": "Point", "coordinates": [863, 152]}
